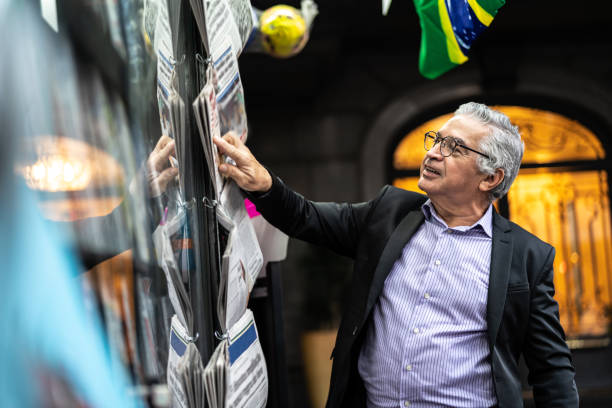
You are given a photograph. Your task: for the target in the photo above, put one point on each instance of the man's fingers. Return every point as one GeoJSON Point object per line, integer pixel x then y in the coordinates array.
{"type": "Point", "coordinates": [234, 173]}
{"type": "Point", "coordinates": [230, 171]}
{"type": "Point", "coordinates": [168, 149]}
{"type": "Point", "coordinates": [159, 160]}
{"type": "Point", "coordinates": [223, 145]}
{"type": "Point", "coordinates": [161, 143]}
{"type": "Point", "coordinates": [226, 148]}
{"type": "Point", "coordinates": [238, 153]}
{"type": "Point", "coordinates": [231, 138]}
{"type": "Point", "coordinates": [161, 182]}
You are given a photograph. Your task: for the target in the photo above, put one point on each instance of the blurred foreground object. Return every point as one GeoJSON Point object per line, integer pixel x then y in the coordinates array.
{"type": "Point", "coordinates": [52, 350]}
{"type": "Point", "coordinates": [52, 347]}
{"type": "Point", "coordinates": [448, 30]}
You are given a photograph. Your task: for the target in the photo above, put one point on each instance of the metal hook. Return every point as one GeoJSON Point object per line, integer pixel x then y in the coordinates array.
{"type": "Point", "coordinates": [192, 339]}
{"type": "Point", "coordinates": [200, 59]}
{"type": "Point", "coordinates": [181, 60]}
{"type": "Point", "coordinates": [209, 203]}
{"type": "Point", "coordinates": [221, 337]}
{"type": "Point", "coordinates": [186, 204]}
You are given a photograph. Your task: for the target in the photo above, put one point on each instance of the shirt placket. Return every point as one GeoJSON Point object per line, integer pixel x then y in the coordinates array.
{"type": "Point", "coordinates": [416, 327]}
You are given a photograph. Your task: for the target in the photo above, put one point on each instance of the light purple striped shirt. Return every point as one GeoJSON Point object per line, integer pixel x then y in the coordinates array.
{"type": "Point", "coordinates": [426, 345]}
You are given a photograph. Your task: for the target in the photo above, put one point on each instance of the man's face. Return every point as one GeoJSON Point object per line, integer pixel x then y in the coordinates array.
{"type": "Point", "coordinates": [455, 177]}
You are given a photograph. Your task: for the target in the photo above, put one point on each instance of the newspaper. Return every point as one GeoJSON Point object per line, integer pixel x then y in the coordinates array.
{"type": "Point", "coordinates": [197, 8]}
{"type": "Point", "coordinates": [233, 19]}
{"type": "Point", "coordinates": [215, 376]}
{"type": "Point", "coordinates": [248, 377]}
{"type": "Point", "coordinates": [191, 372]}
{"type": "Point", "coordinates": [233, 289]}
{"type": "Point", "coordinates": [220, 19]}
{"type": "Point", "coordinates": [220, 26]}
{"type": "Point", "coordinates": [230, 94]}
{"type": "Point", "coordinates": [218, 109]}
{"type": "Point", "coordinates": [167, 261]}
{"type": "Point", "coordinates": [229, 25]}
{"type": "Point", "coordinates": [236, 375]}
{"type": "Point", "coordinates": [246, 245]}
{"type": "Point", "coordinates": [244, 18]}
{"type": "Point", "coordinates": [212, 115]}
{"type": "Point", "coordinates": [204, 130]}
{"type": "Point", "coordinates": [162, 45]}
{"type": "Point", "coordinates": [171, 106]}
{"type": "Point", "coordinates": [178, 346]}
{"type": "Point", "coordinates": [177, 126]}
{"type": "Point", "coordinates": [207, 119]}
{"type": "Point", "coordinates": [185, 370]}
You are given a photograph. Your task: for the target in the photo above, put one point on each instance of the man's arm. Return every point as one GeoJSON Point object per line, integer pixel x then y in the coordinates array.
{"type": "Point", "coordinates": [549, 360]}
{"type": "Point", "coordinates": [332, 225]}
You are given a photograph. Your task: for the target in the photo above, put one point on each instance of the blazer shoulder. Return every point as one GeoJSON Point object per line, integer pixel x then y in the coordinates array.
{"type": "Point", "coordinates": [522, 238]}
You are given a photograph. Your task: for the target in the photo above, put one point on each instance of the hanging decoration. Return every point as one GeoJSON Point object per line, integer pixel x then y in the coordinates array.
{"type": "Point", "coordinates": [282, 30]}
{"type": "Point", "coordinates": [448, 30]}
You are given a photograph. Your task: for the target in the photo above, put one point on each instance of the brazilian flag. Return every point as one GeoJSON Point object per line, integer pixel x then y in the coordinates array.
{"type": "Point", "coordinates": [449, 27]}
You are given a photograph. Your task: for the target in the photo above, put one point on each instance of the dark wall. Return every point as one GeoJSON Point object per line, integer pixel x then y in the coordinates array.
{"type": "Point", "coordinates": [315, 119]}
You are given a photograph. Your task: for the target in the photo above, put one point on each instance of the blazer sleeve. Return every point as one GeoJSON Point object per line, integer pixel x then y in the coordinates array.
{"type": "Point", "coordinates": [337, 226]}
{"type": "Point", "coordinates": [547, 355]}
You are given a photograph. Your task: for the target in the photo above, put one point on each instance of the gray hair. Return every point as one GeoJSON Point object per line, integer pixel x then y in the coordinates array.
{"type": "Point", "coordinates": [503, 145]}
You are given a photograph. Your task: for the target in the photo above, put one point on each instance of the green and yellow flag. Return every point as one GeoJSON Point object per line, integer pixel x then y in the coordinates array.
{"type": "Point", "coordinates": [448, 29]}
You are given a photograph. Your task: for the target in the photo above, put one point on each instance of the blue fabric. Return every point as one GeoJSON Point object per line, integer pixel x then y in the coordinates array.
{"type": "Point", "coordinates": [44, 326]}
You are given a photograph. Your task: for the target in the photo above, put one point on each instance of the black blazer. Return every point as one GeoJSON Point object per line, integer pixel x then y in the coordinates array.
{"type": "Point", "coordinates": [522, 316]}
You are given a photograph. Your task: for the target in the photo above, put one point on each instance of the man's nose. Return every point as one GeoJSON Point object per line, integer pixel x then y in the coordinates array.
{"type": "Point", "coordinates": [435, 152]}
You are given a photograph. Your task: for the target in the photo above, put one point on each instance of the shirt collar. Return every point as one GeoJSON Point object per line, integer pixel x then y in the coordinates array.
{"type": "Point", "coordinates": [485, 222]}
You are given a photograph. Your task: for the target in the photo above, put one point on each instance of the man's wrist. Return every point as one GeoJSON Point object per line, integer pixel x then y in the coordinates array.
{"type": "Point", "coordinates": [267, 184]}
{"type": "Point", "coordinates": [266, 188]}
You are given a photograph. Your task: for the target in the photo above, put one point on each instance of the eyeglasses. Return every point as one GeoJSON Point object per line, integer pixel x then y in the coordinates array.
{"type": "Point", "coordinates": [448, 144]}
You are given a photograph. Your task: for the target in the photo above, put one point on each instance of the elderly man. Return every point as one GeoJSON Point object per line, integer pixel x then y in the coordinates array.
{"type": "Point", "coordinates": [446, 294]}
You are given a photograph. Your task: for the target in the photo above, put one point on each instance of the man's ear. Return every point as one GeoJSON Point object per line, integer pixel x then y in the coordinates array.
{"type": "Point", "coordinates": [492, 180]}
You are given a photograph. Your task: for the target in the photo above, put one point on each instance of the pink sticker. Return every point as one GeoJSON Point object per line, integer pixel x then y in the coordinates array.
{"type": "Point", "coordinates": [251, 209]}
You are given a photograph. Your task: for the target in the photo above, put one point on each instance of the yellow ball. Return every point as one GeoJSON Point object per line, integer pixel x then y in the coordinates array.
{"type": "Point", "coordinates": [284, 32]}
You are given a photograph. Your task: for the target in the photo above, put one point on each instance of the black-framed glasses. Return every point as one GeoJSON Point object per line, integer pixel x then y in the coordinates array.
{"type": "Point", "coordinates": [448, 144]}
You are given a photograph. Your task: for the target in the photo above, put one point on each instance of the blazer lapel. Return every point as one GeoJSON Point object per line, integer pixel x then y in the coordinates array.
{"type": "Point", "coordinates": [393, 249]}
{"type": "Point", "coordinates": [501, 260]}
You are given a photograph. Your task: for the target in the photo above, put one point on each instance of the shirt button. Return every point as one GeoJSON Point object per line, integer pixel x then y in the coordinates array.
{"type": "Point", "coordinates": [408, 367]}
{"type": "Point", "coordinates": [406, 403]}
{"type": "Point", "coordinates": [450, 231]}
{"type": "Point", "coordinates": [416, 330]}
{"type": "Point", "coordinates": [437, 262]}
{"type": "Point", "coordinates": [426, 296]}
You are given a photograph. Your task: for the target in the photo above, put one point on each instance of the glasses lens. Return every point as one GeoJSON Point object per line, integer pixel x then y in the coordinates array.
{"type": "Point", "coordinates": [430, 140]}
{"type": "Point", "coordinates": [447, 147]}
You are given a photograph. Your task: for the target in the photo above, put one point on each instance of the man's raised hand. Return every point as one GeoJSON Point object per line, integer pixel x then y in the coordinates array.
{"type": "Point", "coordinates": [248, 173]}
{"type": "Point", "coordinates": [158, 170]}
